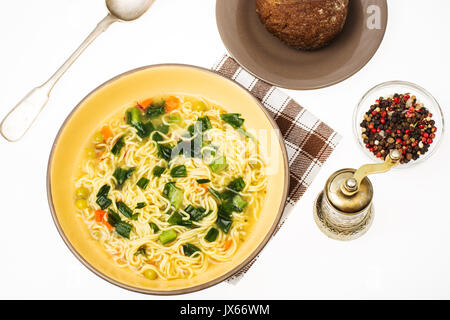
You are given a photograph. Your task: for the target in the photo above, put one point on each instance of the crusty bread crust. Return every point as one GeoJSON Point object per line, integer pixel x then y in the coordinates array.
{"type": "Point", "coordinates": [303, 24]}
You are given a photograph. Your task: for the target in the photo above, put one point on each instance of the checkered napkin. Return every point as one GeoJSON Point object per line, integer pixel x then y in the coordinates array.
{"type": "Point", "coordinates": [309, 141]}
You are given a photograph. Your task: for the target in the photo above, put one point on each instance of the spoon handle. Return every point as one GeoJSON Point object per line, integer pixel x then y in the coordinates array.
{"type": "Point", "coordinates": [21, 117]}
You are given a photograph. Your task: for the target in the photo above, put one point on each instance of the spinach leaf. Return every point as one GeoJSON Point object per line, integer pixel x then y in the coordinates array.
{"type": "Point", "coordinates": [156, 109]}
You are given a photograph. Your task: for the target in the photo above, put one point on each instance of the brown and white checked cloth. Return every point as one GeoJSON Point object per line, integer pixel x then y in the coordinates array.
{"type": "Point", "coordinates": [309, 141]}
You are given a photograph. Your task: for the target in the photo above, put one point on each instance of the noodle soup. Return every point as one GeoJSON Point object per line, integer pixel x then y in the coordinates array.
{"type": "Point", "coordinates": [171, 186]}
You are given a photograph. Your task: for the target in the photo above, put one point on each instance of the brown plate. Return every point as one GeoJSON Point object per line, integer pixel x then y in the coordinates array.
{"type": "Point", "coordinates": [269, 59]}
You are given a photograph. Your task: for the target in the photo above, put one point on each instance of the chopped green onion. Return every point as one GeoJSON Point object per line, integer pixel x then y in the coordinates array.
{"type": "Point", "coordinates": [143, 183]}
{"type": "Point", "coordinates": [118, 145]}
{"type": "Point", "coordinates": [233, 119]}
{"type": "Point", "coordinates": [203, 181]}
{"type": "Point", "coordinates": [163, 128]}
{"type": "Point", "coordinates": [157, 137]}
{"type": "Point", "coordinates": [237, 185]}
{"type": "Point", "coordinates": [206, 124]}
{"type": "Point", "coordinates": [177, 219]}
{"type": "Point", "coordinates": [154, 227]}
{"type": "Point", "coordinates": [219, 164]}
{"type": "Point", "coordinates": [208, 213]}
{"type": "Point", "coordinates": [113, 217]}
{"type": "Point", "coordinates": [103, 202]}
{"type": "Point", "coordinates": [227, 194]}
{"type": "Point", "coordinates": [239, 203]}
{"type": "Point", "coordinates": [124, 209]}
{"type": "Point", "coordinates": [224, 224]}
{"type": "Point", "coordinates": [141, 250]}
{"type": "Point", "coordinates": [174, 194]}
{"type": "Point", "coordinates": [158, 171]}
{"type": "Point", "coordinates": [123, 229]}
{"type": "Point", "coordinates": [140, 205]}
{"type": "Point", "coordinates": [196, 214]}
{"type": "Point", "coordinates": [212, 234]}
{"type": "Point", "coordinates": [134, 116]}
{"type": "Point", "coordinates": [174, 119]}
{"type": "Point", "coordinates": [178, 172]}
{"type": "Point", "coordinates": [167, 236]}
{"type": "Point", "coordinates": [215, 193]}
{"type": "Point", "coordinates": [227, 207]}
{"type": "Point", "coordinates": [164, 152]}
{"type": "Point", "coordinates": [224, 218]}
{"type": "Point", "coordinates": [122, 174]}
{"type": "Point", "coordinates": [191, 130]}
{"type": "Point", "coordinates": [135, 216]}
{"type": "Point", "coordinates": [246, 133]}
{"type": "Point", "coordinates": [190, 249]}
{"type": "Point", "coordinates": [145, 129]}
{"type": "Point", "coordinates": [103, 191]}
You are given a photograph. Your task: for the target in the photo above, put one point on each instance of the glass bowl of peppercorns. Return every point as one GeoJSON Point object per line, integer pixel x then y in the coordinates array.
{"type": "Point", "coordinates": [398, 115]}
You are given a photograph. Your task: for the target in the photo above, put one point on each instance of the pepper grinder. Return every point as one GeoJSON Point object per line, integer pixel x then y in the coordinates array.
{"type": "Point", "coordinates": [344, 209]}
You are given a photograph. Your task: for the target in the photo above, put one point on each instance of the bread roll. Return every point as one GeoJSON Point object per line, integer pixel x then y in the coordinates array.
{"type": "Point", "coordinates": [303, 24]}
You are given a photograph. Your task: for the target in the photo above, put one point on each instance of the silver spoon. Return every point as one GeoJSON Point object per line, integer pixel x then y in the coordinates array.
{"type": "Point", "coordinates": [21, 117]}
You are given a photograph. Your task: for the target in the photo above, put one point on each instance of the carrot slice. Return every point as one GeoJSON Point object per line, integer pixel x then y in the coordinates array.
{"type": "Point", "coordinates": [172, 103]}
{"type": "Point", "coordinates": [99, 214]}
{"type": "Point", "coordinates": [227, 244]}
{"type": "Point", "coordinates": [145, 104]}
{"type": "Point", "coordinates": [106, 132]}
{"type": "Point", "coordinates": [106, 223]}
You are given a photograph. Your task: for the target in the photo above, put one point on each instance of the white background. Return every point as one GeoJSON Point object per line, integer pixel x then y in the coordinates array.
{"type": "Point", "coordinates": [406, 252]}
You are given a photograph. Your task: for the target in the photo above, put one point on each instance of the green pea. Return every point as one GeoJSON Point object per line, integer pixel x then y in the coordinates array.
{"type": "Point", "coordinates": [81, 204]}
{"type": "Point", "coordinates": [150, 274]}
{"type": "Point", "coordinates": [90, 153]}
{"type": "Point", "coordinates": [82, 193]}
{"type": "Point", "coordinates": [97, 138]}
{"type": "Point", "coordinates": [199, 106]}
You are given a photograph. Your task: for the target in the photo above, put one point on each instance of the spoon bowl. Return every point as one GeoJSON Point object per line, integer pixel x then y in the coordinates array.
{"type": "Point", "coordinates": [127, 10]}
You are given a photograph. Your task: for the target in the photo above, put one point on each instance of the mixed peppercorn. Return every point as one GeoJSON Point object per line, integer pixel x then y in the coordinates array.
{"type": "Point", "coordinates": [398, 122]}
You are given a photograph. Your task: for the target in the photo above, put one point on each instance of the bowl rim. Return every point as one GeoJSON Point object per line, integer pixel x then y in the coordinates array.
{"type": "Point", "coordinates": [412, 86]}
{"type": "Point", "coordinates": [212, 282]}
